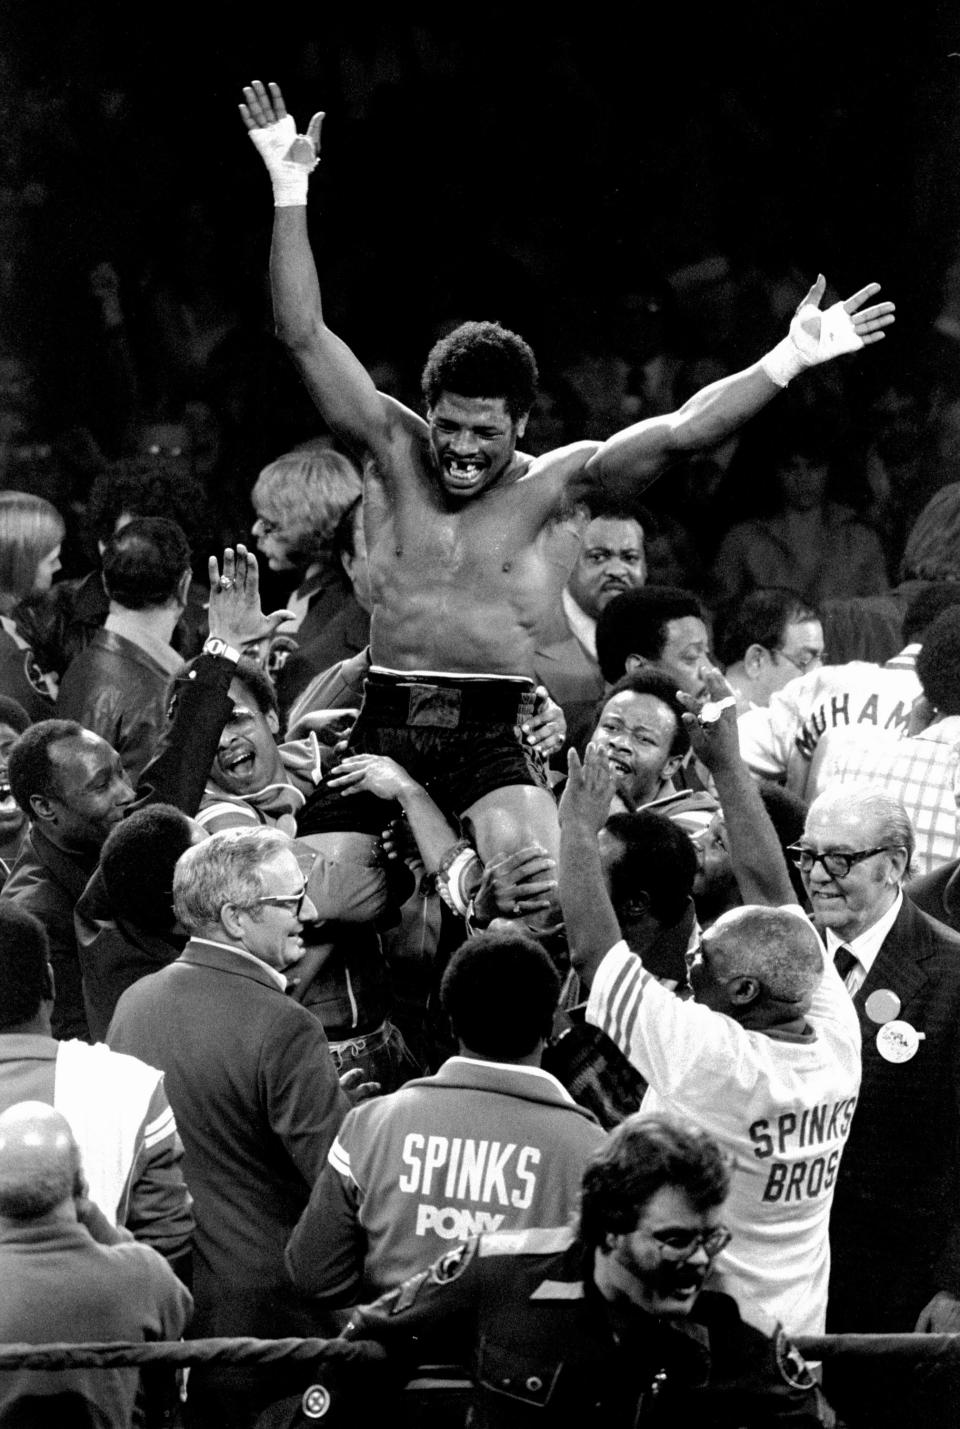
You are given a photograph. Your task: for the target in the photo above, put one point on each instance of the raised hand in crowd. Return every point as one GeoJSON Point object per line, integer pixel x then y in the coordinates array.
{"type": "Point", "coordinates": [234, 613]}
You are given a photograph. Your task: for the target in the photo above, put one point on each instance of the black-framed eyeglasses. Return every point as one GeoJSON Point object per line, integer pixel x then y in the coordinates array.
{"type": "Point", "coordinates": [835, 865]}
{"type": "Point", "coordinates": [680, 1245]}
{"type": "Point", "coordinates": [809, 661]}
{"type": "Point", "coordinates": [293, 901]}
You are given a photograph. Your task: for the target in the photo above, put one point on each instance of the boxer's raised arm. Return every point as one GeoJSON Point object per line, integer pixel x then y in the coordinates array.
{"type": "Point", "coordinates": [337, 381]}
{"type": "Point", "coordinates": [635, 456]}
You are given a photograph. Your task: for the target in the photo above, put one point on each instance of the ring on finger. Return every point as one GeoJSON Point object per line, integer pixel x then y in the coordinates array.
{"type": "Point", "coordinates": [226, 583]}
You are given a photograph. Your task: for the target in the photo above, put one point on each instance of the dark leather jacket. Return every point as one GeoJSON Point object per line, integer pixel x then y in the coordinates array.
{"type": "Point", "coordinates": [522, 1308]}
{"type": "Point", "coordinates": [118, 690]}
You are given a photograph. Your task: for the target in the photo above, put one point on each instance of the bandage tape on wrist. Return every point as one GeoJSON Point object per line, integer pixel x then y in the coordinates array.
{"type": "Point", "coordinates": [290, 176]}
{"type": "Point", "coordinates": [456, 874]}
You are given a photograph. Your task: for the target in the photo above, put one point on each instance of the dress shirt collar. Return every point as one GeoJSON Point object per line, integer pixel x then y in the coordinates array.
{"type": "Point", "coordinates": [277, 977]}
{"type": "Point", "coordinates": [580, 623]}
{"type": "Point", "coordinates": [867, 945]}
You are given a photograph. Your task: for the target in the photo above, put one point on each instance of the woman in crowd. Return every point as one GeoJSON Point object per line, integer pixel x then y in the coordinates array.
{"type": "Point", "coordinates": [31, 533]}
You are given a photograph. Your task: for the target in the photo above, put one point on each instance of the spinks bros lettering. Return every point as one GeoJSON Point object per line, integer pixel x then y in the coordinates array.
{"type": "Point", "coordinates": [799, 1178]}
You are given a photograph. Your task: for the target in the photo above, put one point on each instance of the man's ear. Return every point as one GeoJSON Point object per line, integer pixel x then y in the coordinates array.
{"type": "Point", "coordinates": [755, 659]}
{"type": "Point", "coordinates": [636, 906]}
{"type": "Point", "coordinates": [633, 663]}
{"type": "Point", "coordinates": [49, 990]}
{"type": "Point", "coordinates": [183, 589]}
{"type": "Point", "coordinates": [522, 425]}
{"type": "Point", "coordinates": [671, 766]}
{"type": "Point", "coordinates": [898, 858]}
{"type": "Point", "coordinates": [743, 990]}
{"type": "Point", "coordinates": [273, 722]}
{"type": "Point", "coordinates": [41, 808]}
{"type": "Point", "coordinates": [230, 919]}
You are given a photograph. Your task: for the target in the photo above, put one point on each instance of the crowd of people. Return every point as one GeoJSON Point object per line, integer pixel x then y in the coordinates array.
{"type": "Point", "coordinates": [534, 945]}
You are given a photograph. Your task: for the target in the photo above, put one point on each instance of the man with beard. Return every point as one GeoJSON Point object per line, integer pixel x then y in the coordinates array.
{"type": "Point", "coordinates": [469, 541]}
{"type": "Point", "coordinates": [608, 1321]}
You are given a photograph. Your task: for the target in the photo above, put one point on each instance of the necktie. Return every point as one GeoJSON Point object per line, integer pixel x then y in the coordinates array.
{"type": "Point", "coordinates": [843, 961]}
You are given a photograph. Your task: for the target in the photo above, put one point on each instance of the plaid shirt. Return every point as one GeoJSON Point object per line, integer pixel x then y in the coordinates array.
{"type": "Point", "coordinates": [923, 772]}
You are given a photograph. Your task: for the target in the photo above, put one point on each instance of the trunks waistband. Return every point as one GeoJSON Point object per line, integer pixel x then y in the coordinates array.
{"type": "Point", "coordinates": [438, 701]}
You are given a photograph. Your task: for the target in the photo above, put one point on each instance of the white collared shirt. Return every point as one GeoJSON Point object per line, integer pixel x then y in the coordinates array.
{"type": "Point", "coordinates": [278, 977]}
{"type": "Point", "coordinates": [580, 623]}
{"type": "Point", "coordinates": [865, 946]}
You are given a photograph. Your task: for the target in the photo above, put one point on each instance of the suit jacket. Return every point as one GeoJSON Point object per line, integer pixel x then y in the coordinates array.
{"type": "Point", "coordinates": [938, 894]}
{"type": "Point", "coordinates": [895, 1228]}
{"type": "Point", "coordinates": [574, 680]}
{"type": "Point", "coordinates": [257, 1100]}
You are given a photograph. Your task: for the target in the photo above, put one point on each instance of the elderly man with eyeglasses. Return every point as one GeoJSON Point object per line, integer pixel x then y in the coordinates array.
{"type": "Point", "coordinates": [254, 1089]}
{"type": "Point", "coordinates": [895, 1228]}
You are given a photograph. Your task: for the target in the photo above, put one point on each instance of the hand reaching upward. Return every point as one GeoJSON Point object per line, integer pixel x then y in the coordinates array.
{"type": "Point", "coordinates": [290, 157]}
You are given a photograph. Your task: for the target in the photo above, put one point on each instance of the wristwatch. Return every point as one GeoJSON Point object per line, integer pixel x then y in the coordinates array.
{"type": "Point", "coordinates": [213, 645]}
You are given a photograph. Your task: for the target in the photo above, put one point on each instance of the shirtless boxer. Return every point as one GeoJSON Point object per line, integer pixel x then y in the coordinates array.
{"type": "Point", "coordinates": [469, 542]}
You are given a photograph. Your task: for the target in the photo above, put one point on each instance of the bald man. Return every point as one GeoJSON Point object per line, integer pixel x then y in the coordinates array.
{"type": "Point", "coordinates": [67, 1274]}
{"type": "Point", "coordinates": [765, 1057]}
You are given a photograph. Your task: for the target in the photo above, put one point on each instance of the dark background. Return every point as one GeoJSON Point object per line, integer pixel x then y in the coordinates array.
{"type": "Point", "coordinates": [597, 150]}
{"type": "Point", "coordinates": [623, 180]}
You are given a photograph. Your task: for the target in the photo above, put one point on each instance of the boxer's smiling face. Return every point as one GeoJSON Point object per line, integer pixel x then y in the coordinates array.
{"type": "Point", "coordinates": [473, 440]}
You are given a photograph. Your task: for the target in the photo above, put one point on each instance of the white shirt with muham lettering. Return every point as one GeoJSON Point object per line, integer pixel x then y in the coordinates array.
{"type": "Point", "coordinates": [782, 740]}
{"type": "Point", "coordinates": [780, 1108]}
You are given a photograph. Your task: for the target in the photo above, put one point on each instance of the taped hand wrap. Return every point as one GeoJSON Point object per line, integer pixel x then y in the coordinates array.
{"type": "Point", "coordinates": [290, 159]}
{"type": "Point", "coordinates": [800, 349]}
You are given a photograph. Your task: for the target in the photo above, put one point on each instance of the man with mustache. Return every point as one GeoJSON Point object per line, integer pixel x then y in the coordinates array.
{"type": "Point", "coordinates": [608, 1321]}
{"type": "Point", "coordinates": [611, 560]}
